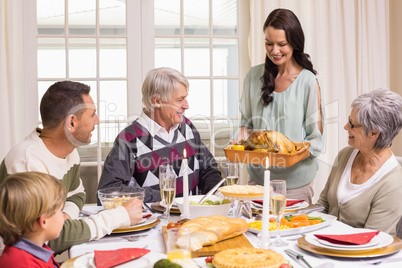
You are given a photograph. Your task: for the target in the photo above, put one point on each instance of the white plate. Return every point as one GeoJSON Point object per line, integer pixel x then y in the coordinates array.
{"type": "Point", "coordinates": [143, 222]}
{"type": "Point", "coordinates": [383, 238]}
{"type": "Point", "coordinates": [174, 205]}
{"type": "Point", "coordinates": [146, 261]}
{"type": "Point", "coordinates": [300, 205]}
{"type": "Point", "coordinates": [328, 219]}
{"type": "Point", "coordinates": [374, 241]}
{"type": "Point", "coordinates": [91, 210]}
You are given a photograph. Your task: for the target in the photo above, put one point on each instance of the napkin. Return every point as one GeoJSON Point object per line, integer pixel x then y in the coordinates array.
{"type": "Point", "coordinates": [110, 258]}
{"type": "Point", "coordinates": [288, 202]}
{"type": "Point", "coordinates": [349, 239]}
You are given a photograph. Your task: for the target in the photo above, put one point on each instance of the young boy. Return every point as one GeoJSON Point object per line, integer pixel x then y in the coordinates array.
{"type": "Point", "coordinates": [31, 213]}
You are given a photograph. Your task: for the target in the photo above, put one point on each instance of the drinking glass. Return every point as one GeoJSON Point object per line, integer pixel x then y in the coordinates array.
{"type": "Point", "coordinates": [278, 204]}
{"type": "Point", "coordinates": [178, 244]}
{"type": "Point", "coordinates": [167, 185]}
{"type": "Point", "coordinates": [232, 173]}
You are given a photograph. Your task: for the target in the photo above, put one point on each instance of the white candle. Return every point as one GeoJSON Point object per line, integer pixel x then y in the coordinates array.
{"type": "Point", "coordinates": [186, 204]}
{"type": "Point", "coordinates": [266, 201]}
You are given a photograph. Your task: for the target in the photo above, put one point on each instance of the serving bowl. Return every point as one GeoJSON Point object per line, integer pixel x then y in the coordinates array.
{"type": "Point", "coordinates": [115, 196]}
{"type": "Point", "coordinates": [204, 210]}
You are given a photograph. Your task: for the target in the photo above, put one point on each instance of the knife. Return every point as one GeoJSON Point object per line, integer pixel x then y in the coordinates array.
{"type": "Point", "coordinates": [305, 211]}
{"type": "Point", "coordinates": [211, 191]}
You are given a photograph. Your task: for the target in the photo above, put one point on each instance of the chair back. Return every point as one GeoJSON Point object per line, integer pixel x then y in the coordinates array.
{"type": "Point", "coordinates": [399, 225]}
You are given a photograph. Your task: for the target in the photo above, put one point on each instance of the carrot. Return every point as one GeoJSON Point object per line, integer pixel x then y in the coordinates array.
{"type": "Point", "coordinates": [284, 221]}
{"type": "Point", "coordinates": [289, 224]}
{"type": "Point", "coordinates": [299, 218]}
{"type": "Point", "coordinates": [312, 222]}
{"type": "Point", "coordinates": [301, 223]}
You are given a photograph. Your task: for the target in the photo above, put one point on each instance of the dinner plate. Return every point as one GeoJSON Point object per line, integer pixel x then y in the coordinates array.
{"type": "Point", "coordinates": [300, 205]}
{"type": "Point", "coordinates": [145, 261]}
{"type": "Point", "coordinates": [374, 241]}
{"type": "Point", "coordinates": [328, 219]}
{"type": "Point", "coordinates": [395, 246]}
{"type": "Point", "coordinates": [384, 240]}
{"type": "Point", "coordinates": [158, 207]}
{"type": "Point", "coordinates": [174, 205]}
{"type": "Point", "coordinates": [147, 224]}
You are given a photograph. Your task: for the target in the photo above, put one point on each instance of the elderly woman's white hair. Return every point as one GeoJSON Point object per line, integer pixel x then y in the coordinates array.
{"type": "Point", "coordinates": [161, 82]}
{"type": "Point", "coordinates": [380, 109]}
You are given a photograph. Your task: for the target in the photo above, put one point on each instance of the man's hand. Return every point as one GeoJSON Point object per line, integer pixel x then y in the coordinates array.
{"type": "Point", "coordinates": [66, 216]}
{"type": "Point", "coordinates": [134, 210]}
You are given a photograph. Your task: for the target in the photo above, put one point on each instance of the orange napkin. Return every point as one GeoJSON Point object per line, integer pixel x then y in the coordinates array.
{"type": "Point", "coordinates": [288, 202]}
{"type": "Point", "coordinates": [349, 239]}
{"type": "Point", "coordinates": [110, 258]}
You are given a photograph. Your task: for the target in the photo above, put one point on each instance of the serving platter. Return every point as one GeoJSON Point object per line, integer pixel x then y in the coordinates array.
{"type": "Point", "coordinates": [275, 159]}
{"type": "Point", "coordinates": [234, 242]}
{"type": "Point", "coordinates": [143, 225]}
{"type": "Point", "coordinates": [328, 219]}
{"type": "Point", "coordinates": [395, 246]}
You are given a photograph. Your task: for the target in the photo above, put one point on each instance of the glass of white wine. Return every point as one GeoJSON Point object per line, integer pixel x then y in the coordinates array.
{"type": "Point", "coordinates": [167, 185]}
{"type": "Point", "coordinates": [232, 173]}
{"type": "Point", "coordinates": [278, 204]}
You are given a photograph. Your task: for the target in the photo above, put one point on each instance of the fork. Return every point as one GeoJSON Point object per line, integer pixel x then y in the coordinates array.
{"type": "Point", "coordinates": [133, 237]}
{"type": "Point", "coordinates": [297, 256]}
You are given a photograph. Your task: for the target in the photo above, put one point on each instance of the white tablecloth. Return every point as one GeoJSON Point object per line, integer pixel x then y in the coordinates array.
{"type": "Point", "coordinates": [154, 241]}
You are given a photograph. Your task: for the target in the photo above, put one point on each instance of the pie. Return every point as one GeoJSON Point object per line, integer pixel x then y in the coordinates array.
{"type": "Point", "coordinates": [248, 258]}
{"type": "Point", "coordinates": [242, 191]}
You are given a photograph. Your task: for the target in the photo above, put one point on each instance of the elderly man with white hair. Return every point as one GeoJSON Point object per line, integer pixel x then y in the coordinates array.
{"type": "Point", "coordinates": [159, 136]}
{"type": "Point", "coordinates": [364, 187]}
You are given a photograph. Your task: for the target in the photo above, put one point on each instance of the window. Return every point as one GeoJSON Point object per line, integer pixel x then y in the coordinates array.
{"type": "Point", "coordinates": [107, 44]}
{"type": "Point", "coordinates": [201, 39]}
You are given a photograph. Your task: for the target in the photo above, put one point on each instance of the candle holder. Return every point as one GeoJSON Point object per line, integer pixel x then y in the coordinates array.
{"type": "Point", "coordinates": [264, 241]}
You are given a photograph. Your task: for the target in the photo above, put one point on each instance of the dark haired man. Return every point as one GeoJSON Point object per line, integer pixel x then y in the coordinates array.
{"type": "Point", "coordinates": [68, 117]}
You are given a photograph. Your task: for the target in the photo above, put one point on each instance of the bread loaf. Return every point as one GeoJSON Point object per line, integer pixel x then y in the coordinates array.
{"type": "Point", "coordinates": [207, 231]}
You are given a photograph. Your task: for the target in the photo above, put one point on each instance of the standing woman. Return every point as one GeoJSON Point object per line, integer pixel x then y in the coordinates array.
{"type": "Point", "coordinates": [284, 95]}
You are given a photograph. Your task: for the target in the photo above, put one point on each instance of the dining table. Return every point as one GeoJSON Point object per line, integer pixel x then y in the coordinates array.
{"type": "Point", "coordinates": [152, 238]}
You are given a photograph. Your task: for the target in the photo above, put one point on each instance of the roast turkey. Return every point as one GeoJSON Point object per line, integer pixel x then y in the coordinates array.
{"type": "Point", "coordinates": [269, 141]}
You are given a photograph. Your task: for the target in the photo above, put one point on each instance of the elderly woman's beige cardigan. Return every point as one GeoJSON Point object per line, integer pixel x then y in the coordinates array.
{"type": "Point", "coordinates": [378, 208]}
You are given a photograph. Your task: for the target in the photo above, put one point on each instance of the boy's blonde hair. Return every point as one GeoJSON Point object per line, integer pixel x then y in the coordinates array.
{"type": "Point", "coordinates": [24, 197]}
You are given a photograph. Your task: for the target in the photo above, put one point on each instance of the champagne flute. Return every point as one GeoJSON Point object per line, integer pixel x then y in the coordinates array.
{"type": "Point", "coordinates": [278, 204]}
{"type": "Point", "coordinates": [167, 185]}
{"type": "Point", "coordinates": [232, 173]}
{"type": "Point", "coordinates": [232, 177]}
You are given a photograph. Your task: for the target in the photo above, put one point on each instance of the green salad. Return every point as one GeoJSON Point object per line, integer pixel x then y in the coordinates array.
{"type": "Point", "coordinates": [210, 202]}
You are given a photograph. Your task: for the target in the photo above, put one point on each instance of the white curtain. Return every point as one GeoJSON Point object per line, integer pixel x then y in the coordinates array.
{"type": "Point", "coordinates": [348, 42]}
{"type": "Point", "coordinates": [12, 108]}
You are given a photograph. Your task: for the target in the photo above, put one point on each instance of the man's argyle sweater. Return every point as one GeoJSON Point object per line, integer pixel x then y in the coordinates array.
{"type": "Point", "coordinates": [136, 156]}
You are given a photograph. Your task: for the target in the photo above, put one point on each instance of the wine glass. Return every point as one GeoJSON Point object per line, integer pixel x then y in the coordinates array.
{"type": "Point", "coordinates": [232, 177]}
{"type": "Point", "coordinates": [167, 185]}
{"type": "Point", "coordinates": [232, 173]}
{"type": "Point", "coordinates": [278, 204]}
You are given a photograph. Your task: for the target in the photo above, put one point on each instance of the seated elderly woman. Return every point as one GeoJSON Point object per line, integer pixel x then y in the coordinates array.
{"type": "Point", "coordinates": [364, 187]}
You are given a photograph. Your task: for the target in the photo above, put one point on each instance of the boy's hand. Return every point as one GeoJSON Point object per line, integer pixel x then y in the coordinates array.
{"type": "Point", "coordinates": [134, 210]}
